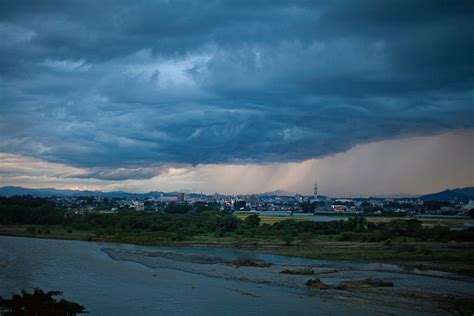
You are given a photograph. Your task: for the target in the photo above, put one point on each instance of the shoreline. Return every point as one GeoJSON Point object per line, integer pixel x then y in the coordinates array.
{"type": "Point", "coordinates": [349, 281]}
{"type": "Point", "coordinates": [385, 288]}
{"type": "Point", "coordinates": [246, 245]}
{"type": "Point", "coordinates": [319, 250]}
{"type": "Point", "coordinates": [154, 243]}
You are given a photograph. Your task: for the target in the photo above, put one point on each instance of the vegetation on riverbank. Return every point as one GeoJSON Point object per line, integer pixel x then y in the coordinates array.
{"type": "Point", "coordinates": [449, 257]}
{"type": "Point", "coordinates": [452, 257]}
{"type": "Point", "coordinates": [353, 239]}
{"type": "Point", "coordinates": [304, 271]}
{"type": "Point", "coordinates": [425, 221]}
{"type": "Point", "coordinates": [349, 285]}
{"type": "Point", "coordinates": [246, 262]}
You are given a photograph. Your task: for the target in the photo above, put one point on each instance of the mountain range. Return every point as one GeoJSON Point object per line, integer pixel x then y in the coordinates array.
{"type": "Point", "coordinates": [460, 194]}
{"type": "Point", "coordinates": [47, 192]}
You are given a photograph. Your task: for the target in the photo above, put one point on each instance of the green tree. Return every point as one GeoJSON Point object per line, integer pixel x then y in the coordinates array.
{"type": "Point", "coordinates": [252, 220]}
{"type": "Point", "coordinates": [287, 237]}
{"type": "Point", "coordinates": [306, 207]}
{"type": "Point", "coordinates": [240, 205]}
{"type": "Point", "coordinates": [174, 208]}
{"type": "Point", "coordinates": [357, 223]}
{"type": "Point", "coordinates": [305, 237]}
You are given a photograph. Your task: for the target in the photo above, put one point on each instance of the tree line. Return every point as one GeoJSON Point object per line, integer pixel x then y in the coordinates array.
{"type": "Point", "coordinates": [183, 222]}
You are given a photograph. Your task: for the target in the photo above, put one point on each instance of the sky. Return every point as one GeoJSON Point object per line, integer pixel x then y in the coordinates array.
{"type": "Point", "coordinates": [363, 97]}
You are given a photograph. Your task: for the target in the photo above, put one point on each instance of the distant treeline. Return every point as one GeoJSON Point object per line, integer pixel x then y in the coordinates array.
{"type": "Point", "coordinates": [29, 210]}
{"type": "Point", "coordinates": [182, 222]}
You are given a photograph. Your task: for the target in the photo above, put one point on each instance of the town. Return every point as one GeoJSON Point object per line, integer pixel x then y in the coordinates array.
{"type": "Point", "coordinates": [449, 203]}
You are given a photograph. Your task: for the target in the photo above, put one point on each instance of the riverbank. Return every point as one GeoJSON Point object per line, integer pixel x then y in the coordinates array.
{"type": "Point", "coordinates": [220, 281]}
{"type": "Point", "coordinates": [391, 285]}
{"type": "Point", "coordinates": [450, 257]}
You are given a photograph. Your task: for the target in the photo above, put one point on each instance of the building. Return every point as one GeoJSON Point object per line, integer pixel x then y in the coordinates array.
{"type": "Point", "coordinates": [180, 197]}
{"type": "Point", "coordinates": [339, 208]}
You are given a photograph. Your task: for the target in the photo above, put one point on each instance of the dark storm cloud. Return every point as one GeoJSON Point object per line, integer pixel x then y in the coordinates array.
{"type": "Point", "coordinates": [120, 85]}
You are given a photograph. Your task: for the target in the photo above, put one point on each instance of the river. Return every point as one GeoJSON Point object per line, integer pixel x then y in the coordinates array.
{"type": "Point", "coordinates": [88, 275]}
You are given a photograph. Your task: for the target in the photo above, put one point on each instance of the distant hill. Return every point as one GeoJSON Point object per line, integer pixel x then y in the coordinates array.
{"type": "Point", "coordinates": [460, 194]}
{"type": "Point", "coordinates": [47, 192]}
{"type": "Point", "coordinates": [396, 196]}
{"type": "Point", "coordinates": [468, 191]}
{"type": "Point", "coordinates": [278, 193]}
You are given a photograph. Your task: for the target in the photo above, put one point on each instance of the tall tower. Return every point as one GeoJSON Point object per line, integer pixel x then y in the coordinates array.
{"type": "Point", "coordinates": [316, 191]}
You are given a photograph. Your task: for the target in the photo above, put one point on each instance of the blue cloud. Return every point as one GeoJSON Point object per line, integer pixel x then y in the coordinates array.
{"type": "Point", "coordinates": [110, 85]}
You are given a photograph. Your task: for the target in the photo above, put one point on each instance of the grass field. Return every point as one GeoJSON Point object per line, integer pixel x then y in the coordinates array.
{"type": "Point", "coordinates": [449, 222]}
{"type": "Point", "coordinates": [454, 257]}
{"type": "Point", "coordinates": [270, 219]}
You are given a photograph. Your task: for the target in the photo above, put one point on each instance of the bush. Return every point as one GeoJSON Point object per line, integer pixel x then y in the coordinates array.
{"type": "Point", "coordinates": [407, 248]}
{"type": "Point", "coordinates": [305, 237]}
{"type": "Point", "coordinates": [388, 244]}
{"type": "Point", "coordinates": [379, 236]}
{"type": "Point", "coordinates": [317, 284]}
{"type": "Point", "coordinates": [304, 271]}
{"type": "Point", "coordinates": [287, 237]}
{"type": "Point", "coordinates": [362, 284]}
{"type": "Point", "coordinates": [250, 263]}
{"type": "Point", "coordinates": [39, 303]}
{"type": "Point", "coordinates": [425, 251]}
{"type": "Point", "coordinates": [252, 220]}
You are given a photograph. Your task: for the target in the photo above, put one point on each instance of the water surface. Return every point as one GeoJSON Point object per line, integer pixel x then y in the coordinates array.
{"type": "Point", "coordinates": [105, 286]}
